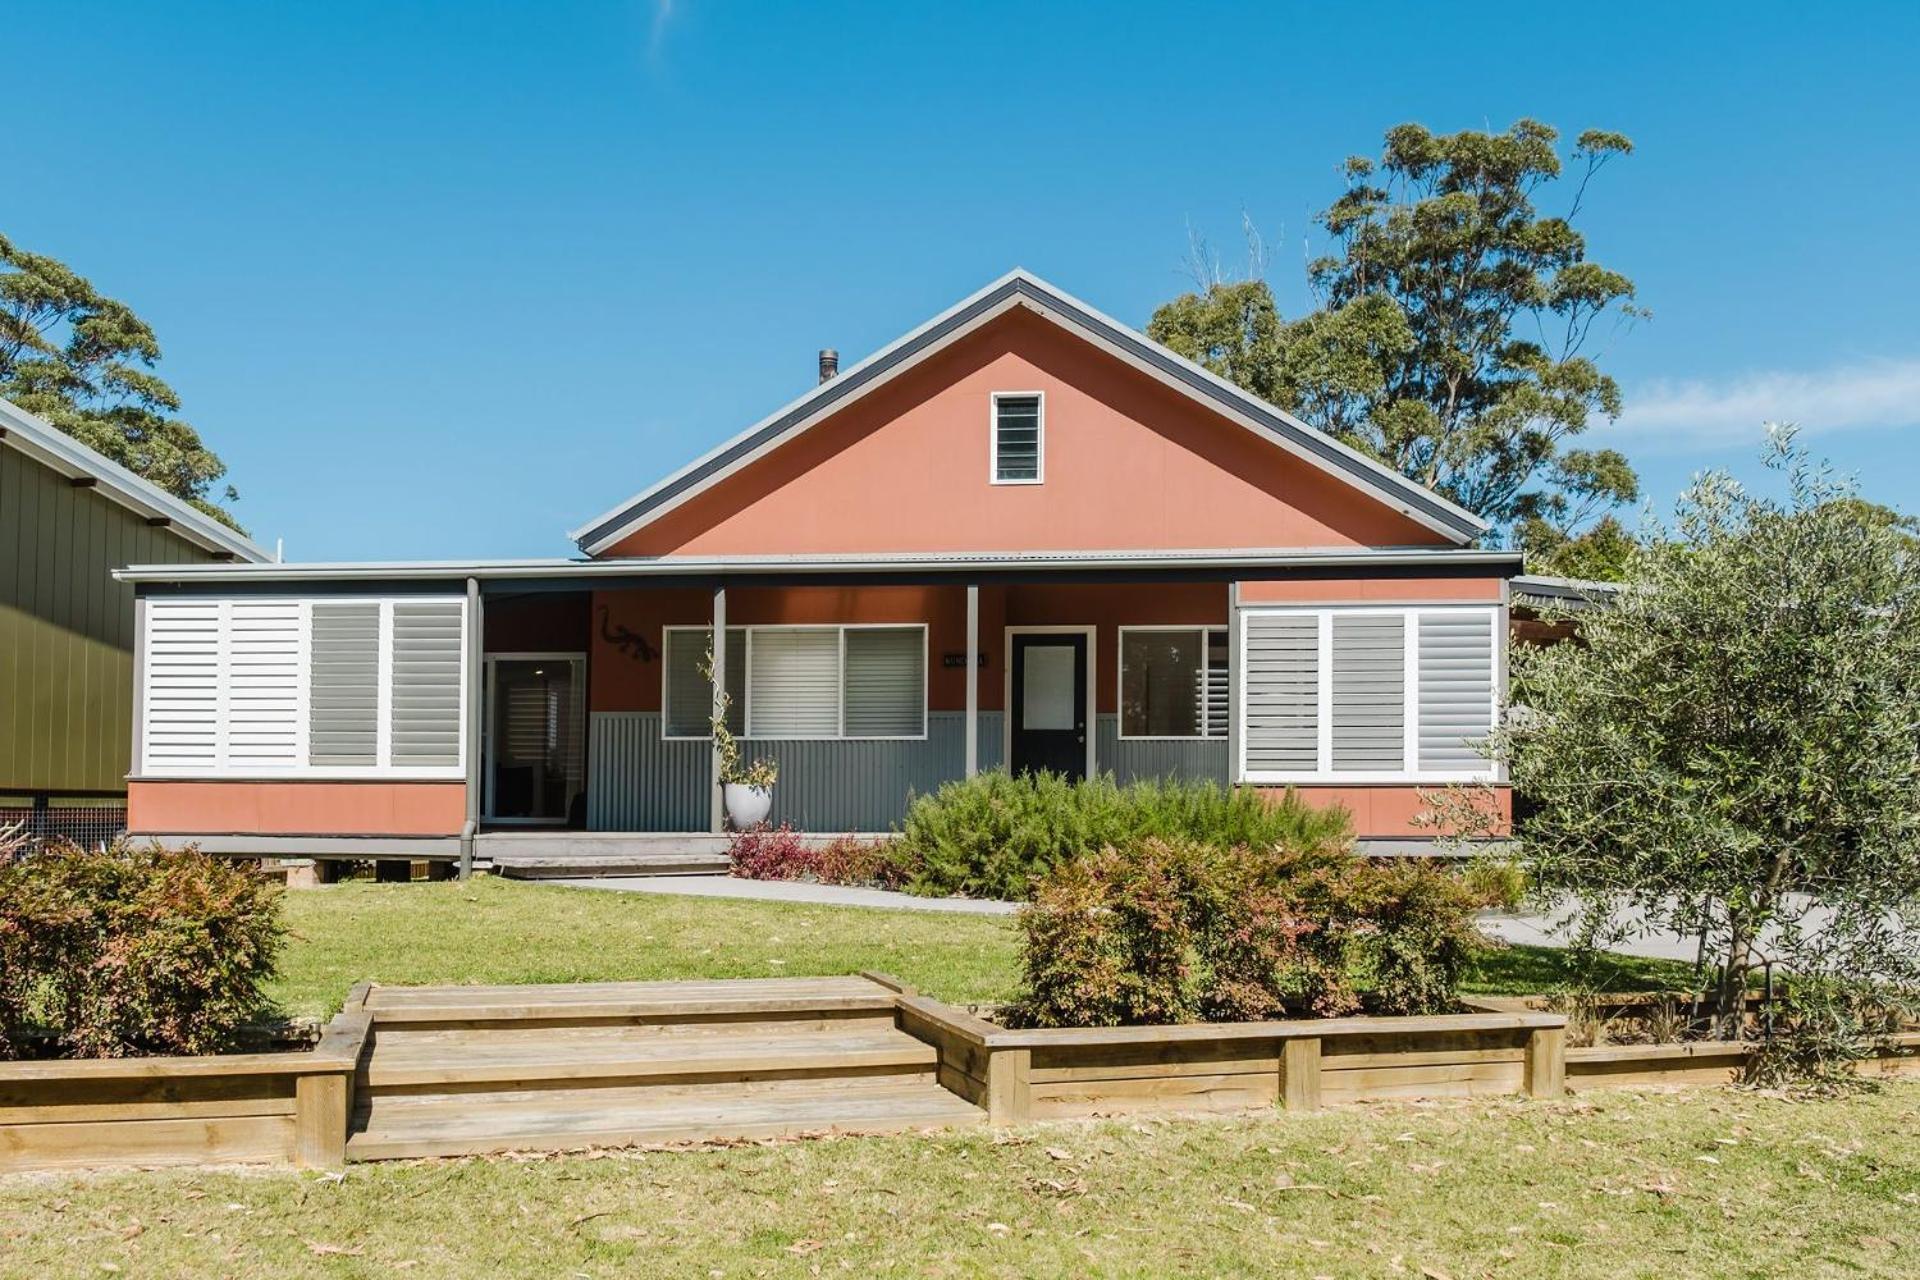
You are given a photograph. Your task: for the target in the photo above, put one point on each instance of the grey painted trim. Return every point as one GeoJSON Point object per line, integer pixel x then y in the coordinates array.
{"type": "Point", "coordinates": [139, 708]}
{"type": "Point", "coordinates": [1020, 287]}
{"type": "Point", "coordinates": [1571, 594]}
{"type": "Point", "coordinates": [476, 619]}
{"type": "Point", "coordinates": [1236, 659]}
{"type": "Point", "coordinates": [54, 448]}
{"type": "Point", "coordinates": [433, 848]}
{"type": "Point", "coordinates": [717, 808]}
{"type": "Point", "coordinates": [1436, 560]}
{"type": "Point", "coordinates": [973, 679]}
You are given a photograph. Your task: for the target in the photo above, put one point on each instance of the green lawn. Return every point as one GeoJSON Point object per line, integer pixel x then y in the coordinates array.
{"type": "Point", "coordinates": [1702, 1184]}
{"type": "Point", "coordinates": [491, 930]}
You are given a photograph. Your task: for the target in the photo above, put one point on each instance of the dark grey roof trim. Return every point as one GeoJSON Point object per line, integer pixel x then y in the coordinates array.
{"type": "Point", "coordinates": [54, 448]}
{"type": "Point", "coordinates": [1251, 560]}
{"type": "Point", "coordinates": [1420, 502]}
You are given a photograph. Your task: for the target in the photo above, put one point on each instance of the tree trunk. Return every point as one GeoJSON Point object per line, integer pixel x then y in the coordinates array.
{"type": "Point", "coordinates": [1730, 1001]}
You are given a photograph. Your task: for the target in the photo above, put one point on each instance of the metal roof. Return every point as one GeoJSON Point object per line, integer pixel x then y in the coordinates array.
{"type": "Point", "coordinates": [1015, 289]}
{"type": "Point", "coordinates": [668, 566]}
{"type": "Point", "coordinates": [1564, 593]}
{"type": "Point", "coordinates": [54, 448]}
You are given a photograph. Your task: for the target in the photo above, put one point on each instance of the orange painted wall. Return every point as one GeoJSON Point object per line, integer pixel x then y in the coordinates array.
{"type": "Point", "coordinates": [1129, 464]}
{"type": "Point", "coordinates": [1370, 591]}
{"type": "Point", "coordinates": [296, 808]}
{"type": "Point", "coordinates": [1389, 811]}
{"type": "Point", "coordinates": [621, 683]}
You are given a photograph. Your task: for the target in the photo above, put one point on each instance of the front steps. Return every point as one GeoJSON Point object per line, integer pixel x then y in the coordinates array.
{"type": "Point", "coordinates": [563, 855]}
{"type": "Point", "coordinates": [455, 1071]}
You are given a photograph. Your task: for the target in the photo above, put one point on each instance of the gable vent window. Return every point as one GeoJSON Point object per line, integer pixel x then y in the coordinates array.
{"type": "Point", "coordinates": [1369, 694]}
{"type": "Point", "coordinates": [1019, 438]}
{"type": "Point", "coordinates": [258, 687]}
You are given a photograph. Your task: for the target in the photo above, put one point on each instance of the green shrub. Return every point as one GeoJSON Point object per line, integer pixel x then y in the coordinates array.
{"type": "Point", "coordinates": [129, 950]}
{"type": "Point", "coordinates": [993, 835]}
{"type": "Point", "coordinates": [1171, 931]}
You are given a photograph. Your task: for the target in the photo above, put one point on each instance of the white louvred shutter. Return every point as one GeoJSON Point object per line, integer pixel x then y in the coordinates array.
{"type": "Point", "coordinates": [1281, 693]}
{"type": "Point", "coordinates": [265, 643]}
{"type": "Point", "coordinates": [180, 712]}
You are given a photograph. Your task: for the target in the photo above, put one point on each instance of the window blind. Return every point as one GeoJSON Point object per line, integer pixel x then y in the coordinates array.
{"type": "Point", "coordinates": [425, 700]}
{"type": "Point", "coordinates": [793, 683]}
{"type": "Point", "coordinates": [886, 680]}
{"type": "Point", "coordinates": [343, 717]}
{"type": "Point", "coordinates": [1282, 693]}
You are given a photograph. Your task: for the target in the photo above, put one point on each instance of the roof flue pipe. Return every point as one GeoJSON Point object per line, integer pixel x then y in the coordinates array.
{"type": "Point", "coordinates": [829, 364]}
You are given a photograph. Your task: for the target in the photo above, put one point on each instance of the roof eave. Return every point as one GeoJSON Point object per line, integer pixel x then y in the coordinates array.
{"type": "Point", "coordinates": [55, 449]}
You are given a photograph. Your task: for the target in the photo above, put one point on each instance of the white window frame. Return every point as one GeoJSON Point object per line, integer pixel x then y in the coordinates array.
{"type": "Point", "coordinates": [1200, 629]}
{"type": "Point", "coordinates": [746, 708]}
{"type": "Point", "coordinates": [1039, 436]}
{"type": "Point", "coordinates": [382, 768]}
{"type": "Point", "coordinates": [1410, 772]}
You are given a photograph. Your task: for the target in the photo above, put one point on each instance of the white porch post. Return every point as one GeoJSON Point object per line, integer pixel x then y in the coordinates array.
{"type": "Point", "coordinates": [718, 817]}
{"type": "Point", "coordinates": [973, 678]}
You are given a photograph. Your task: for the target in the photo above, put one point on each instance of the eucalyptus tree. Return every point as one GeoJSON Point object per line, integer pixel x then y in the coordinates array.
{"type": "Point", "coordinates": [84, 362]}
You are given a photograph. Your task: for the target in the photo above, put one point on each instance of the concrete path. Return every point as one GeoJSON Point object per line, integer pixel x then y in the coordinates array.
{"type": "Point", "coordinates": [831, 895]}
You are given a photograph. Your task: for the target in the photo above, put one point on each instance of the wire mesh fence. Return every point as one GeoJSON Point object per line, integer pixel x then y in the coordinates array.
{"type": "Point", "coordinates": [87, 823]}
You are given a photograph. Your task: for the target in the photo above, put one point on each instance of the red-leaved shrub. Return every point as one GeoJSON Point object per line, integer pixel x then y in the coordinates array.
{"type": "Point", "coordinates": [128, 949]}
{"type": "Point", "coordinates": [779, 853]}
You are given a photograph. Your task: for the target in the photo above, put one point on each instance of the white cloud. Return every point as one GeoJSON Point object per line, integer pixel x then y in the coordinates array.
{"type": "Point", "coordinates": [1674, 416]}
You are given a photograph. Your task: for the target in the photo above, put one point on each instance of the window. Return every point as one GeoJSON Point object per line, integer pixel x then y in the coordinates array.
{"type": "Point", "coordinates": [687, 699]}
{"type": "Point", "coordinates": [1019, 438]}
{"type": "Point", "coordinates": [803, 682]}
{"type": "Point", "coordinates": [1368, 694]}
{"type": "Point", "coordinates": [1173, 682]}
{"type": "Point", "coordinates": [255, 687]}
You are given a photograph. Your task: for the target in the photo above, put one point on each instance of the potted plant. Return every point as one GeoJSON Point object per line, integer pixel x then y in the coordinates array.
{"type": "Point", "coordinates": [746, 789]}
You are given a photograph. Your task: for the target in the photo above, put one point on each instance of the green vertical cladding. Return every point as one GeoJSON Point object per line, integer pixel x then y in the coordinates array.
{"type": "Point", "coordinates": [66, 629]}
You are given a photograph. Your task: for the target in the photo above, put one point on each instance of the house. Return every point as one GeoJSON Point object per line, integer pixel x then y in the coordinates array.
{"type": "Point", "coordinates": [68, 519]}
{"type": "Point", "coordinates": [1021, 536]}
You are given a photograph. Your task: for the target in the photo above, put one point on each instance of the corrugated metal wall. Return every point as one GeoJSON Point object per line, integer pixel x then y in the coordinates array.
{"type": "Point", "coordinates": [66, 629]}
{"type": "Point", "coordinates": [637, 782]}
{"type": "Point", "coordinates": [1136, 760]}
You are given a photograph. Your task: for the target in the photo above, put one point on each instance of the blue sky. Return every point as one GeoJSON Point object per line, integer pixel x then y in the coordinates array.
{"type": "Point", "coordinates": [447, 279]}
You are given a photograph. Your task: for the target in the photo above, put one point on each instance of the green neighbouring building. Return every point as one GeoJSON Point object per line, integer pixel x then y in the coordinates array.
{"type": "Point", "coordinates": [68, 518]}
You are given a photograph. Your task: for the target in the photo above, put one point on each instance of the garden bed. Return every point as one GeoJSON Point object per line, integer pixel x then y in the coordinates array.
{"type": "Point", "coordinates": [242, 1108]}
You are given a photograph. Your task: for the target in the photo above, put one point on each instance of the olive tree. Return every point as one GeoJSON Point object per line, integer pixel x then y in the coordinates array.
{"type": "Point", "coordinates": [1729, 750]}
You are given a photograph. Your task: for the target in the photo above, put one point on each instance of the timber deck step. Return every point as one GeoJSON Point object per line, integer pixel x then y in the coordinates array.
{"type": "Point", "coordinates": [757, 1051]}
{"type": "Point", "coordinates": [452, 1071]}
{"type": "Point", "coordinates": [724, 998]}
{"type": "Point", "coordinates": [562, 1120]}
{"type": "Point", "coordinates": [527, 866]}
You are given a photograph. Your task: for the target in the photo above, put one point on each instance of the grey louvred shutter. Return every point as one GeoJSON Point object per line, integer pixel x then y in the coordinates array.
{"type": "Point", "coordinates": [343, 700]}
{"type": "Point", "coordinates": [180, 715]}
{"type": "Point", "coordinates": [689, 708]}
{"type": "Point", "coordinates": [1456, 689]}
{"type": "Point", "coordinates": [1016, 427]}
{"type": "Point", "coordinates": [1282, 692]}
{"type": "Point", "coordinates": [886, 682]}
{"type": "Point", "coordinates": [425, 713]}
{"type": "Point", "coordinates": [794, 685]}
{"type": "Point", "coordinates": [1369, 692]}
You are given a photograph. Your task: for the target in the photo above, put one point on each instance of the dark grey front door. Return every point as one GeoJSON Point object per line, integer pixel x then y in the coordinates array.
{"type": "Point", "coordinates": [1049, 704]}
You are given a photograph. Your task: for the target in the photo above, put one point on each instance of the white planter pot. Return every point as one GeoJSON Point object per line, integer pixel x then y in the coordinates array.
{"type": "Point", "coordinates": [747, 806]}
